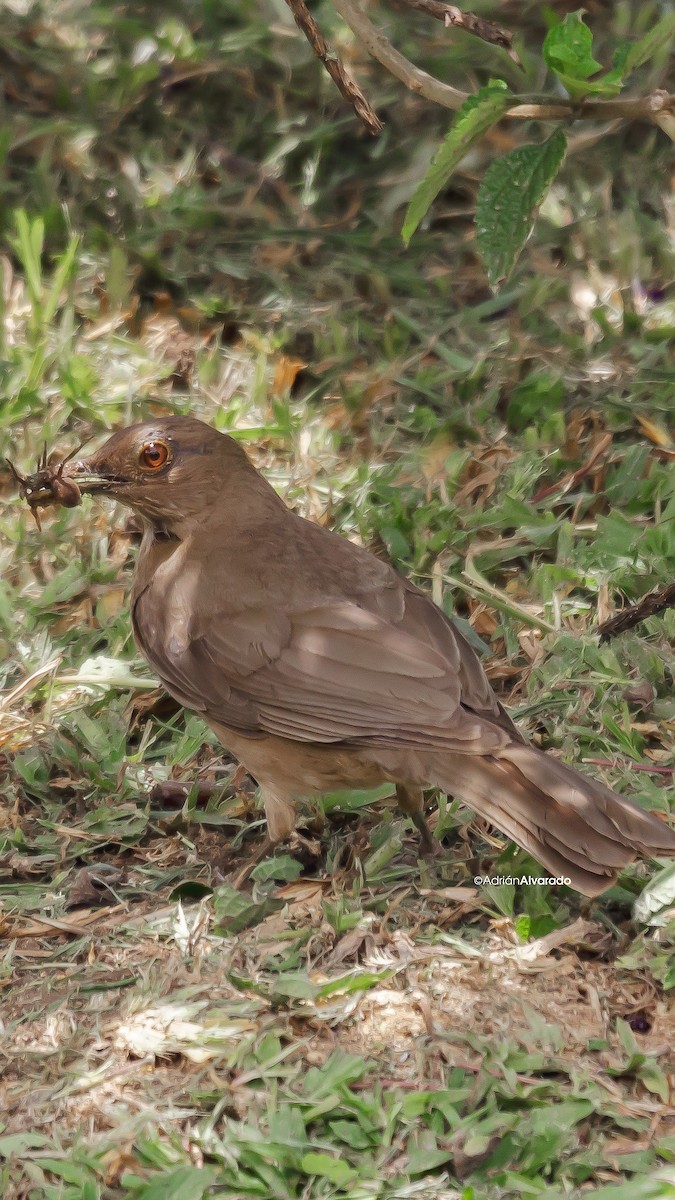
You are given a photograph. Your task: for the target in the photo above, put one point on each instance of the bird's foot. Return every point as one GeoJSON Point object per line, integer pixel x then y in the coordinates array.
{"type": "Point", "coordinates": [429, 846]}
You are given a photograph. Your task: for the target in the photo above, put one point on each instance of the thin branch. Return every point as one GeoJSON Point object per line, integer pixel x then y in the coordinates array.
{"type": "Point", "coordinates": [397, 64]}
{"type": "Point", "coordinates": [631, 108]}
{"type": "Point", "coordinates": [666, 122]}
{"type": "Point", "coordinates": [344, 82]}
{"type": "Point", "coordinates": [654, 107]}
{"type": "Point", "coordinates": [648, 606]}
{"type": "Point", "coordinates": [449, 14]}
{"type": "Point", "coordinates": [631, 766]}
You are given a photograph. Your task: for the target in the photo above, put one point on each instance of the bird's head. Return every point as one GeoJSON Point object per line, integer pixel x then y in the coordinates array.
{"type": "Point", "coordinates": [171, 471]}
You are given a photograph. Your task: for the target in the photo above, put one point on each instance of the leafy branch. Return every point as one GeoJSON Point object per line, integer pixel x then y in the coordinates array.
{"type": "Point", "coordinates": [514, 185]}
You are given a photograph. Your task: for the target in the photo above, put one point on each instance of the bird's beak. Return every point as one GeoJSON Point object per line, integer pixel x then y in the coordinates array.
{"type": "Point", "coordinates": [89, 477]}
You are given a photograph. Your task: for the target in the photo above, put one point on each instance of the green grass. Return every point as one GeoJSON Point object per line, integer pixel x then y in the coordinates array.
{"type": "Point", "coordinates": [363, 1024]}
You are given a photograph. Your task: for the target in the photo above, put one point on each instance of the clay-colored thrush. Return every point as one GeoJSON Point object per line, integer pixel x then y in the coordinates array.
{"type": "Point", "coordinates": [319, 667]}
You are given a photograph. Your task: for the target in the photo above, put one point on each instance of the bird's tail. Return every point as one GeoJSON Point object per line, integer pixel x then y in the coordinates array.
{"type": "Point", "coordinates": [573, 825]}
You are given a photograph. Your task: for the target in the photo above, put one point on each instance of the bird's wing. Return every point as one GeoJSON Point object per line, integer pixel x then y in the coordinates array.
{"type": "Point", "coordinates": [327, 673]}
{"type": "Point", "coordinates": [429, 622]}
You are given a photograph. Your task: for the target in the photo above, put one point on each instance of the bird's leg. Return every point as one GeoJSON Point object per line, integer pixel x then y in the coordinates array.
{"type": "Point", "coordinates": [280, 816]}
{"type": "Point", "coordinates": [411, 801]}
{"type": "Point", "coordinates": [280, 813]}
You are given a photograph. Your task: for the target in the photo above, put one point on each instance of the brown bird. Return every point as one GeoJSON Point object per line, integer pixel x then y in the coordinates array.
{"type": "Point", "coordinates": [319, 667]}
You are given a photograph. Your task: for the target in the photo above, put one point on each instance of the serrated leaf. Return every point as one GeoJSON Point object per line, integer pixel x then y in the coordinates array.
{"type": "Point", "coordinates": [567, 50]}
{"type": "Point", "coordinates": [513, 187]}
{"type": "Point", "coordinates": [478, 114]}
{"type": "Point", "coordinates": [643, 50]}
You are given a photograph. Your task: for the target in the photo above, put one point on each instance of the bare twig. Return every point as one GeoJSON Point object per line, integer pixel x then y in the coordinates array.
{"type": "Point", "coordinates": [350, 90]}
{"type": "Point", "coordinates": [397, 64]}
{"type": "Point", "coordinates": [648, 606]}
{"type": "Point", "coordinates": [648, 108]}
{"type": "Point", "coordinates": [654, 107]}
{"type": "Point", "coordinates": [572, 478]}
{"type": "Point", "coordinates": [449, 14]}
{"type": "Point", "coordinates": [651, 768]}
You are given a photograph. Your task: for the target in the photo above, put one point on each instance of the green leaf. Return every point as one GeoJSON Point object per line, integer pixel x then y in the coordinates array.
{"type": "Point", "coordinates": [561, 1116]}
{"type": "Point", "coordinates": [478, 114]}
{"type": "Point", "coordinates": [338, 1071]}
{"type": "Point", "coordinates": [282, 867]}
{"type": "Point", "coordinates": [501, 894]}
{"type": "Point", "coordinates": [70, 1172]}
{"type": "Point", "coordinates": [423, 1160]}
{"type": "Point", "coordinates": [235, 911]}
{"type": "Point", "coordinates": [534, 399]}
{"type": "Point", "coordinates": [513, 187]}
{"type": "Point", "coordinates": [355, 981]}
{"type": "Point", "coordinates": [28, 245]}
{"type": "Point", "coordinates": [655, 1080]}
{"type": "Point", "coordinates": [183, 1183]}
{"type": "Point", "coordinates": [628, 1042]}
{"type": "Point", "coordinates": [17, 1144]}
{"type": "Point", "coordinates": [65, 270]}
{"type": "Point", "coordinates": [351, 799]}
{"type": "Point", "coordinates": [352, 1134]}
{"type": "Point", "coordinates": [567, 50]}
{"type": "Point", "coordinates": [523, 927]}
{"type": "Point", "coordinates": [333, 1169]}
{"type": "Point", "coordinates": [292, 985]}
{"type": "Point", "coordinates": [653, 1188]}
{"type": "Point", "coordinates": [658, 37]}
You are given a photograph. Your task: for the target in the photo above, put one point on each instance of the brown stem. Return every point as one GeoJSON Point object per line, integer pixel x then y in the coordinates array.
{"type": "Point", "coordinates": [350, 90]}
{"type": "Point", "coordinates": [648, 606]}
{"type": "Point", "coordinates": [397, 64]}
{"type": "Point", "coordinates": [654, 107]}
{"type": "Point", "coordinates": [449, 14]}
{"type": "Point", "coordinates": [651, 768]}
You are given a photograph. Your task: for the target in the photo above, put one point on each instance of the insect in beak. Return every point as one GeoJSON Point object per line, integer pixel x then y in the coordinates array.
{"type": "Point", "coordinates": [47, 485]}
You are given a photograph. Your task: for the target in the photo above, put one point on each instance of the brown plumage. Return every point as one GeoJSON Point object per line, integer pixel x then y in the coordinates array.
{"type": "Point", "coordinates": [319, 667]}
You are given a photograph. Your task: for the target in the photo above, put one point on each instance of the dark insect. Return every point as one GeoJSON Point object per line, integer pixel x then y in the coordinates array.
{"type": "Point", "coordinates": [46, 485]}
{"type": "Point", "coordinates": [640, 1022]}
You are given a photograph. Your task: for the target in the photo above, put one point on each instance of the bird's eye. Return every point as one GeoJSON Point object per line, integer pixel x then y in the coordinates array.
{"type": "Point", "coordinates": [153, 456]}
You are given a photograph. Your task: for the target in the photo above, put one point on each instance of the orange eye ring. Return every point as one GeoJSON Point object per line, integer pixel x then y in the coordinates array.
{"type": "Point", "coordinates": [154, 456]}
